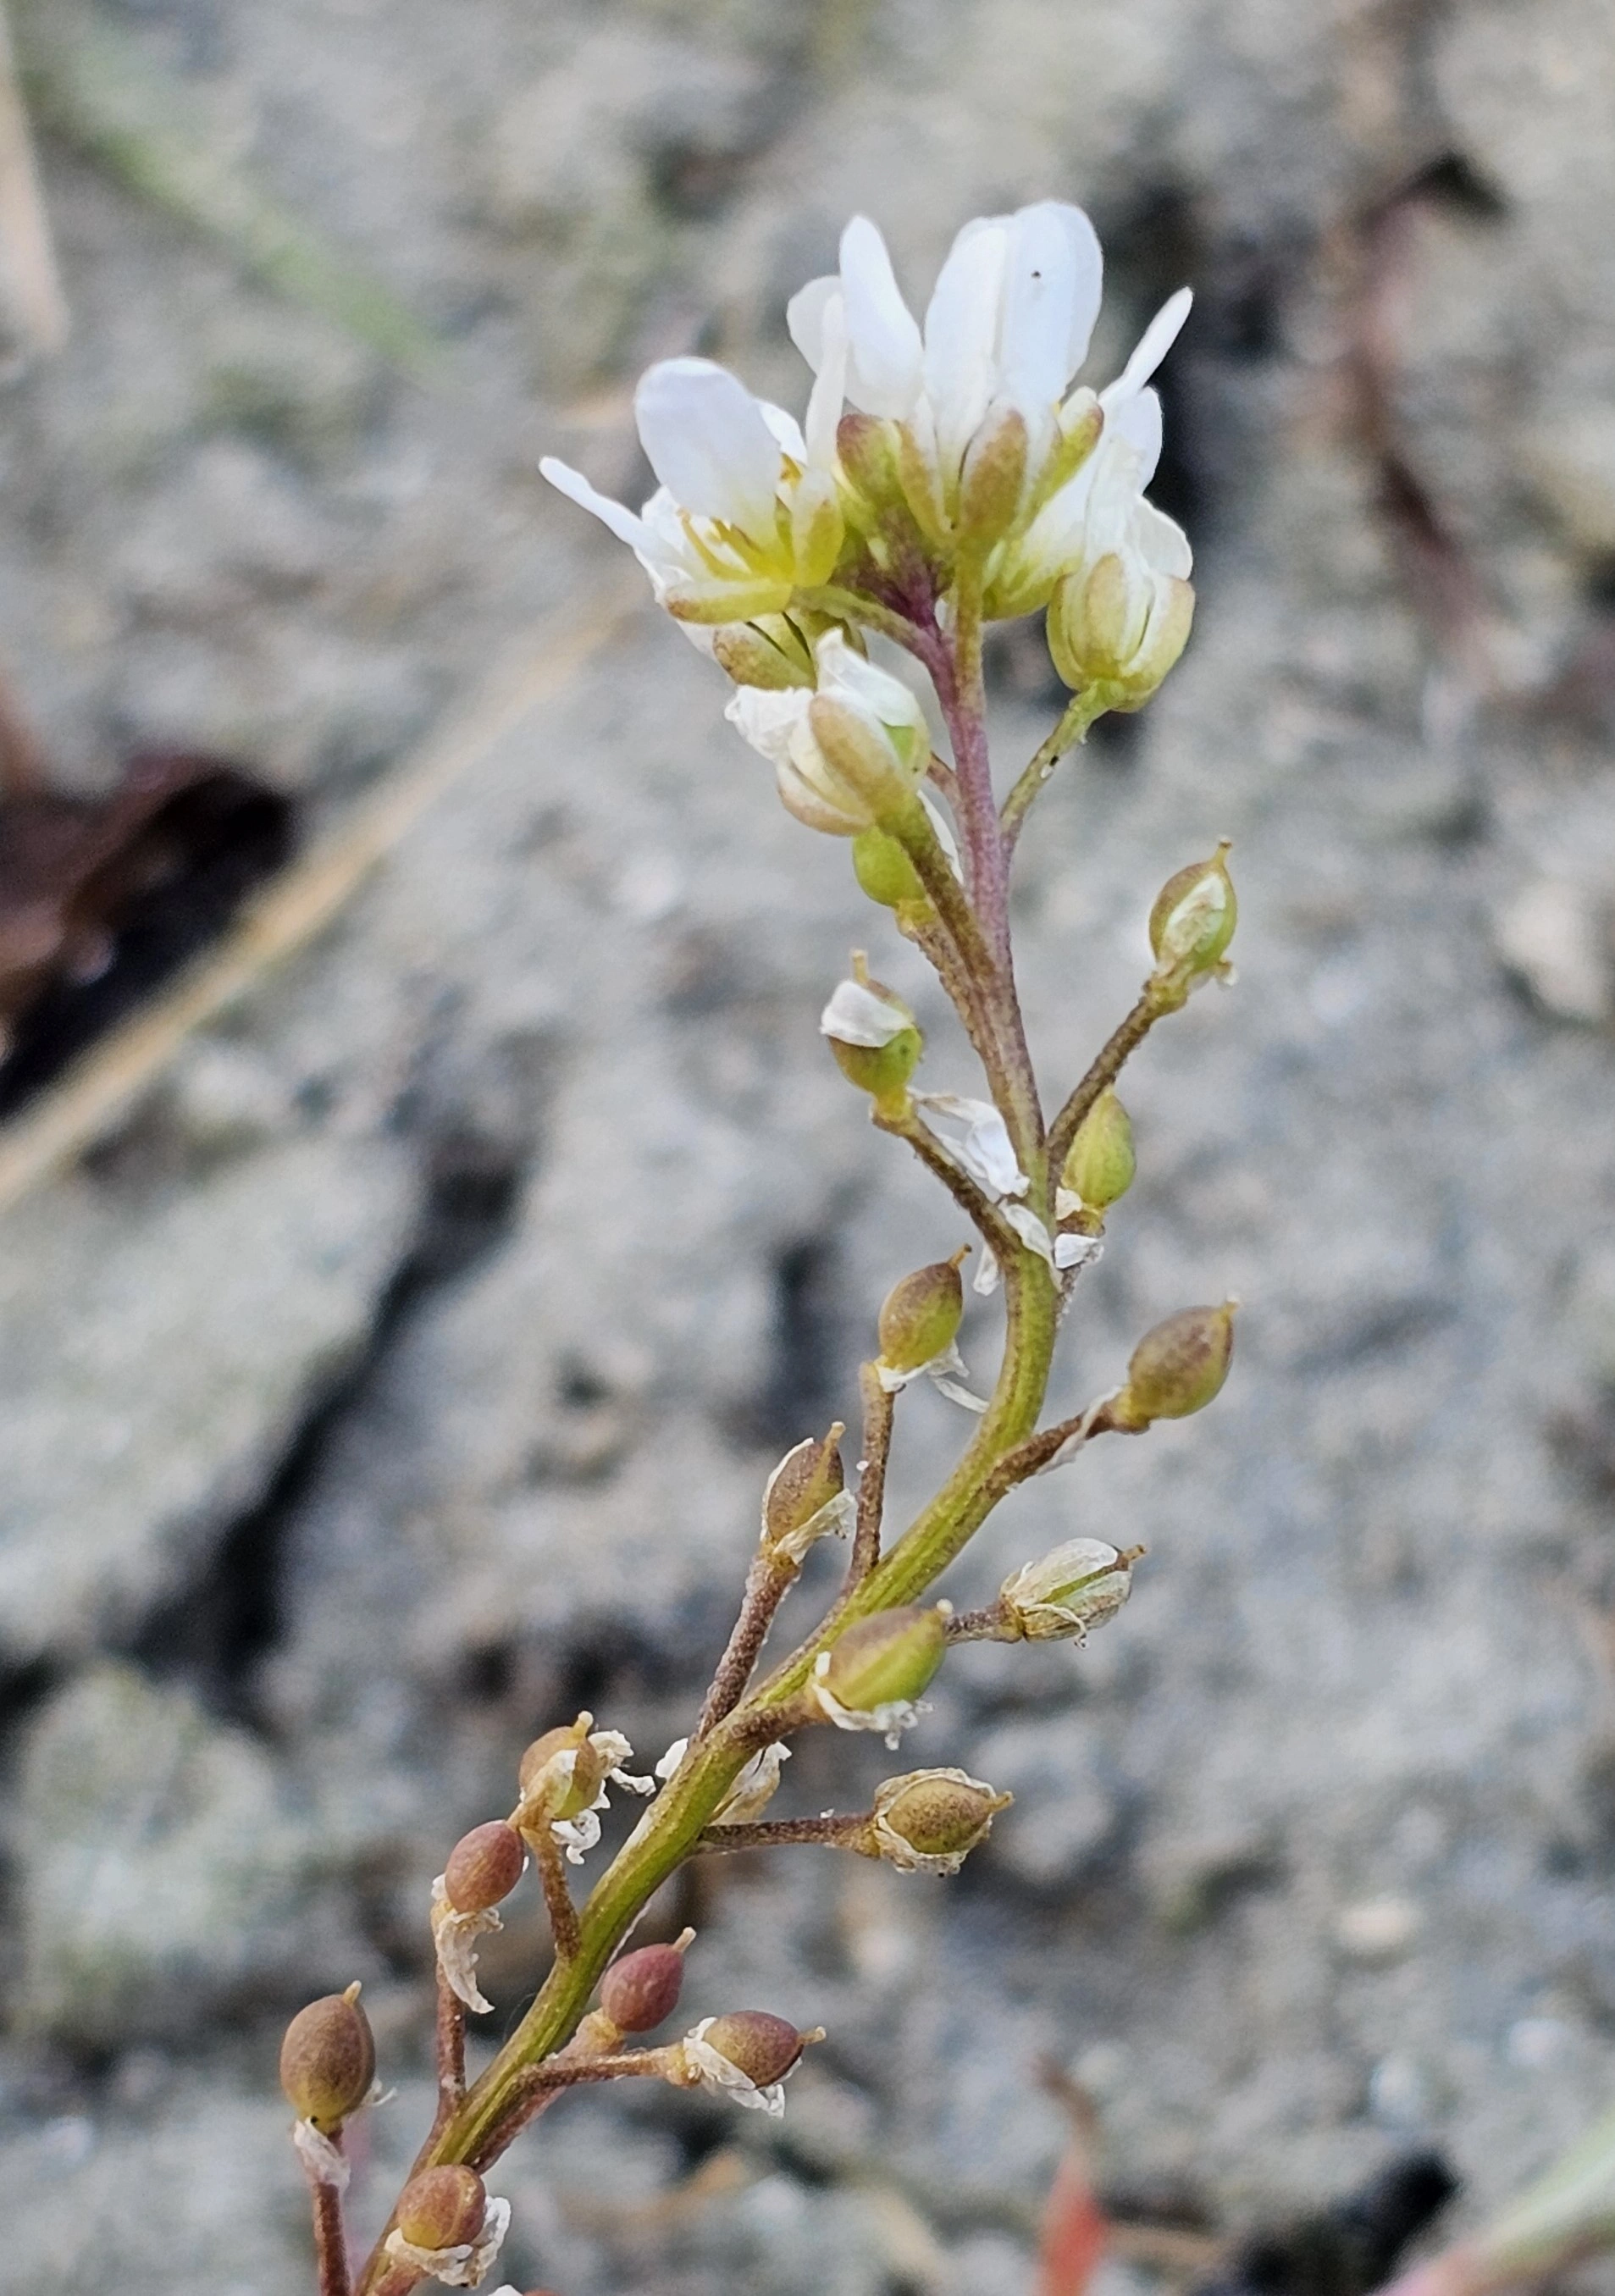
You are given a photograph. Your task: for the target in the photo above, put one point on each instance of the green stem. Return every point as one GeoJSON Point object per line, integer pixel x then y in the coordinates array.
{"type": "Point", "coordinates": [1080, 712]}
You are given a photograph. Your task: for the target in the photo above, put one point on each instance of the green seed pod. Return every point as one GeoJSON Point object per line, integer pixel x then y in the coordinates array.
{"type": "Point", "coordinates": [638, 1992]}
{"type": "Point", "coordinates": [484, 1866]}
{"type": "Point", "coordinates": [761, 2047]}
{"type": "Point", "coordinates": [1176, 1368]}
{"type": "Point", "coordinates": [871, 1033]}
{"type": "Point", "coordinates": [1080, 1584]}
{"type": "Point", "coordinates": [884, 870]}
{"type": "Point", "coordinates": [921, 1315]}
{"type": "Point", "coordinates": [807, 1481]}
{"type": "Point", "coordinates": [442, 2207]}
{"type": "Point", "coordinates": [1192, 920]}
{"type": "Point", "coordinates": [328, 2060]}
{"type": "Point", "coordinates": [1100, 1163]}
{"type": "Point", "coordinates": [573, 1794]}
{"type": "Point", "coordinates": [931, 1820]}
{"type": "Point", "coordinates": [884, 1662]}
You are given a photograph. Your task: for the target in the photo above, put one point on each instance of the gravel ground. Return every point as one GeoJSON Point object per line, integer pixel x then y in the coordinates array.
{"type": "Point", "coordinates": [403, 1373]}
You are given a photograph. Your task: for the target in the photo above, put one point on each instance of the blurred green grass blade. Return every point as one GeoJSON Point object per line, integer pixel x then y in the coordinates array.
{"type": "Point", "coordinates": [93, 85]}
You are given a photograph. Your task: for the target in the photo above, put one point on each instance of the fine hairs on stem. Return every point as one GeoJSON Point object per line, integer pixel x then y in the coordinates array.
{"type": "Point", "coordinates": [940, 481]}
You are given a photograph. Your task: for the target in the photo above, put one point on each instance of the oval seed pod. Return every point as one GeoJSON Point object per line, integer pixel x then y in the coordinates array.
{"type": "Point", "coordinates": [638, 1992]}
{"type": "Point", "coordinates": [484, 1866]}
{"type": "Point", "coordinates": [871, 1033]}
{"type": "Point", "coordinates": [1100, 1163]}
{"type": "Point", "coordinates": [1176, 1368]}
{"type": "Point", "coordinates": [328, 2060]}
{"type": "Point", "coordinates": [805, 1481]}
{"type": "Point", "coordinates": [931, 1820]}
{"type": "Point", "coordinates": [1193, 917]}
{"type": "Point", "coordinates": [884, 870]}
{"type": "Point", "coordinates": [762, 2046]}
{"type": "Point", "coordinates": [921, 1315]}
{"type": "Point", "coordinates": [885, 1661]}
{"type": "Point", "coordinates": [442, 2207]}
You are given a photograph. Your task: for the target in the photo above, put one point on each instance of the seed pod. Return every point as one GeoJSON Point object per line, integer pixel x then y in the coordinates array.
{"type": "Point", "coordinates": [931, 1820]}
{"type": "Point", "coordinates": [761, 2047]}
{"type": "Point", "coordinates": [571, 1793]}
{"type": "Point", "coordinates": [886, 1660]}
{"type": "Point", "coordinates": [638, 1992]}
{"type": "Point", "coordinates": [1080, 1584]}
{"type": "Point", "coordinates": [1176, 1368]}
{"type": "Point", "coordinates": [442, 2207]}
{"type": "Point", "coordinates": [1100, 1163]}
{"type": "Point", "coordinates": [1192, 920]}
{"type": "Point", "coordinates": [328, 2060]}
{"type": "Point", "coordinates": [484, 1866]}
{"type": "Point", "coordinates": [921, 1315]}
{"type": "Point", "coordinates": [871, 1033]}
{"type": "Point", "coordinates": [802, 1486]}
{"type": "Point", "coordinates": [884, 870]}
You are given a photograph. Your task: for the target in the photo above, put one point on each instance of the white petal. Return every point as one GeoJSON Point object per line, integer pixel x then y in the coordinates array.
{"type": "Point", "coordinates": [856, 1015]}
{"type": "Point", "coordinates": [977, 1138]}
{"type": "Point", "coordinates": [985, 1282]}
{"type": "Point", "coordinates": [1161, 542]}
{"type": "Point", "coordinates": [709, 443]}
{"type": "Point", "coordinates": [621, 520]}
{"type": "Point", "coordinates": [846, 674]}
{"type": "Point", "coordinates": [1152, 346]}
{"type": "Point", "coordinates": [768, 719]}
{"type": "Point", "coordinates": [961, 335]}
{"type": "Point", "coordinates": [784, 429]}
{"type": "Point", "coordinates": [674, 1756]}
{"type": "Point", "coordinates": [1052, 276]}
{"type": "Point", "coordinates": [325, 2163]}
{"type": "Point", "coordinates": [947, 1374]}
{"type": "Point", "coordinates": [1076, 1251]}
{"type": "Point", "coordinates": [805, 317]}
{"type": "Point", "coordinates": [944, 828]}
{"type": "Point", "coordinates": [885, 372]}
{"type": "Point", "coordinates": [1138, 420]}
{"type": "Point", "coordinates": [829, 393]}
{"type": "Point", "coordinates": [1031, 1229]}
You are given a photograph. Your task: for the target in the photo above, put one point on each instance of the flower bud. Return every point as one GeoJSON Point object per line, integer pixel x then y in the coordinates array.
{"type": "Point", "coordinates": [884, 870]}
{"type": "Point", "coordinates": [1100, 1163]}
{"type": "Point", "coordinates": [921, 1315]}
{"type": "Point", "coordinates": [882, 1662]}
{"type": "Point", "coordinates": [638, 1992]}
{"type": "Point", "coordinates": [931, 1820]}
{"type": "Point", "coordinates": [876, 765]}
{"type": "Point", "coordinates": [1176, 1368]}
{"type": "Point", "coordinates": [761, 2047]}
{"type": "Point", "coordinates": [442, 2207]}
{"type": "Point", "coordinates": [1080, 1584]}
{"type": "Point", "coordinates": [484, 1866]}
{"type": "Point", "coordinates": [1120, 625]}
{"type": "Point", "coordinates": [1193, 919]}
{"type": "Point", "coordinates": [871, 1033]}
{"type": "Point", "coordinates": [804, 1488]}
{"type": "Point", "coordinates": [328, 2060]}
{"type": "Point", "coordinates": [867, 450]}
{"type": "Point", "coordinates": [992, 479]}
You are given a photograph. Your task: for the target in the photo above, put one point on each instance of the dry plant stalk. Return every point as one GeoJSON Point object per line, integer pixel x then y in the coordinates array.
{"type": "Point", "coordinates": [942, 481]}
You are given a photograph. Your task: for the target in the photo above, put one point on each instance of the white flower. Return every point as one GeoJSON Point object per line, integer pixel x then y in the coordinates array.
{"type": "Point", "coordinates": [463, 2264]}
{"type": "Point", "coordinates": [855, 748]}
{"type": "Point", "coordinates": [603, 1753]}
{"type": "Point", "coordinates": [976, 1139]}
{"type": "Point", "coordinates": [1122, 603]}
{"type": "Point", "coordinates": [741, 517]}
{"type": "Point", "coordinates": [1008, 326]}
{"type": "Point", "coordinates": [455, 1936]}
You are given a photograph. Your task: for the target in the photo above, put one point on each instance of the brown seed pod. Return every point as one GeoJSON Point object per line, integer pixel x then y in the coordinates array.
{"type": "Point", "coordinates": [484, 1866]}
{"type": "Point", "coordinates": [762, 2046]}
{"type": "Point", "coordinates": [328, 2060]}
{"type": "Point", "coordinates": [642, 1989]}
{"type": "Point", "coordinates": [442, 2207]}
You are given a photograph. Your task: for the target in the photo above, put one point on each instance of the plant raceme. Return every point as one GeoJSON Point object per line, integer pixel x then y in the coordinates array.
{"type": "Point", "coordinates": [945, 474]}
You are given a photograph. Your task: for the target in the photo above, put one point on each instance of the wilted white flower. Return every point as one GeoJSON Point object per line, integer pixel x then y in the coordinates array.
{"type": "Point", "coordinates": [326, 2163]}
{"type": "Point", "coordinates": [890, 1717]}
{"type": "Point", "coordinates": [455, 1936]}
{"type": "Point", "coordinates": [768, 2042]}
{"type": "Point", "coordinates": [976, 1138]}
{"type": "Point", "coordinates": [1032, 1231]}
{"type": "Point", "coordinates": [929, 1821]}
{"type": "Point", "coordinates": [549, 1789]}
{"type": "Point", "coordinates": [741, 517]}
{"type": "Point", "coordinates": [1078, 1586]}
{"type": "Point", "coordinates": [860, 1015]}
{"type": "Point", "coordinates": [753, 1787]}
{"type": "Point", "coordinates": [947, 1371]}
{"type": "Point", "coordinates": [845, 754]}
{"type": "Point", "coordinates": [463, 2264]}
{"type": "Point", "coordinates": [1074, 1250]}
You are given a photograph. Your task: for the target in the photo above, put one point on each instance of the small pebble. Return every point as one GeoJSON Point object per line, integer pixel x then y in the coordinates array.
{"type": "Point", "coordinates": [1377, 1930]}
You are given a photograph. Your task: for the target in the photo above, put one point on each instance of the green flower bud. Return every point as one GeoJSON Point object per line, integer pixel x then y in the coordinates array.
{"type": "Point", "coordinates": [1118, 625]}
{"type": "Point", "coordinates": [884, 870]}
{"type": "Point", "coordinates": [866, 448]}
{"type": "Point", "coordinates": [931, 1820]}
{"type": "Point", "coordinates": [870, 1676]}
{"type": "Point", "coordinates": [328, 2060]}
{"type": "Point", "coordinates": [638, 1992]}
{"type": "Point", "coordinates": [1176, 1368]}
{"type": "Point", "coordinates": [1100, 1163]}
{"type": "Point", "coordinates": [871, 1033]}
{"type": "Point", "coordinates": [992, 480]}
{"type": "Point", "coordinates": [1192, 920]}
{"type": "Point", "coordinates": [442, 2207]}
{"type": "Point", "coordinates": [1080, 1584]}
{"type": "Point", "coordinates": [806, 1495]}
{"type": "Point", "coordinates": [484, 1866]}
{"type": "Point", "coordinates": [921, 1315]}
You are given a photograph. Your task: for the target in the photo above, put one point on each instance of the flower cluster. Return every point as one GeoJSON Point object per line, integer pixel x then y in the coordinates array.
{"type": "Point", "coordinates": [934, 458]}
